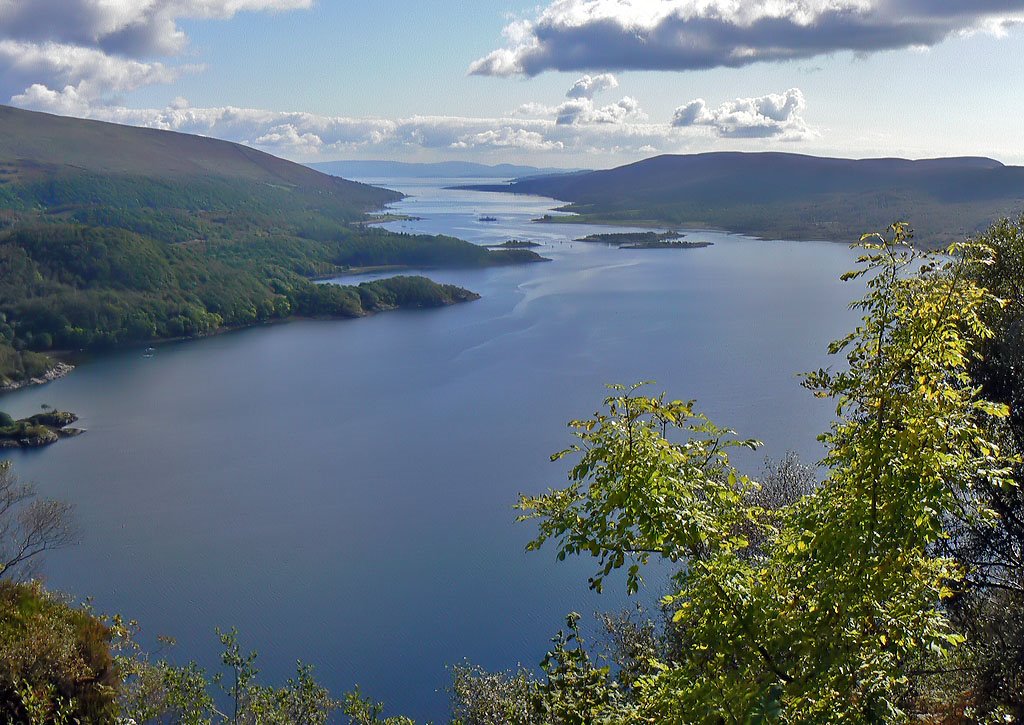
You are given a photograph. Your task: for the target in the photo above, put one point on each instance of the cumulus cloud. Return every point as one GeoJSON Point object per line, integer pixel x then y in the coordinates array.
{"type": "Point", "coordinates": [507, 137]}
{"type": "Point", "coordinates": [65, 55]}
{"type": "Point", "coordinates": [588, 86]}
{"type": "Point", "coordinates": [770, 116]}
{"type": "Point", "coordinates": [583, 111]}
{"type": "Point", "coordinates": [306, 136]}
{"type": "Point", "coordinates": [576, 128]}
{"type": "Point", "coordinates": [580, 109]}
{"type": "Point", "coordinates": [125, 27]}
{"type": "Point", "coordinates": [64, 78]}
{"type": "Point", "coordinates": [578, 35]}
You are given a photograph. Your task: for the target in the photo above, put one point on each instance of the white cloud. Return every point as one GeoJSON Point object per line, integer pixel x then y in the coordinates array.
{"type": "Point", "coordinates": [770, 116]}
{"type": "Point", "coordinates": [534, 109]}
{"type": "Point", "coordinates": [507, 137]}
{"type": "Point", "coordinates": [583, 35]}
{"type": "Point", "coordinates": [616, 130]}
{"type": "Point", "coordinates": [60, 77]}
{"type": "Point", "coordinates": [134, 28]}
{"type": "Point", "coordinates": [588, 86]}
{"type": "Point", "coordinates": [306, 136]}
{"type": "Point", "coordinates": [60, 55]}
{"type": "Point", "coordinates": [583, 111]}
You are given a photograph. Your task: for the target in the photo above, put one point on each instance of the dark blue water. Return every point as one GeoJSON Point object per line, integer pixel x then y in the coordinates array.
{"type": "Point", "coordinates": [342, 491]}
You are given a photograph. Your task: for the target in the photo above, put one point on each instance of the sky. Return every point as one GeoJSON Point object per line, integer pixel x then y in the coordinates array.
{"type": "Point", "coordinates": [575, 83]}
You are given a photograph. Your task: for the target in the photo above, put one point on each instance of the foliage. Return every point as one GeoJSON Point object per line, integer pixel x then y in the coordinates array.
{"type": "Point", "coordinates": [55, 660]}
{"type": "Point", "coordinates": [363, 711]}
{"type": "Point", "coordinates": [91, 260]}
{"type": "Point", "coordinates": [988, 605]}
{"type": "Point", "coordinates": [78, 287]}
{"type": "Point", "coordinates": [844, 600]}
{"type": "Point", "coordinates": [17, 365]}
{"type": "Point", "coordinates": [574, 691]}
{"type": "Point", "coordinates": [161, 692]}
{"type": "Point", "coordinates": [482, 698]}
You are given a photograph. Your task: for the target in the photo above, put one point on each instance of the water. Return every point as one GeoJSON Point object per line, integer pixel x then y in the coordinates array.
{"type": "Point", "coordinates": [342, 491]}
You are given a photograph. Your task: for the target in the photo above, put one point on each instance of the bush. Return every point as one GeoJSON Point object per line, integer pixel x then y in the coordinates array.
{"type": "Point", "coordinates": [55, 660]}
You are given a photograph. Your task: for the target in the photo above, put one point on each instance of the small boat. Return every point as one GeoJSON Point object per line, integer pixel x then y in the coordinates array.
{"type": "Point", "coordinates": [149, 352]}
{"type": "Point", "coordinates": [488, 219]}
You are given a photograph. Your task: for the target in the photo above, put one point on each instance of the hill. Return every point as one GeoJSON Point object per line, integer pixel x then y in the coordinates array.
{"type": "Point", "coordinates": [36, 146]}
{"type": "Point", "coordinates": [113, 234]}
{"type": "Point", "coordinates": [441, 169]}
{"type": "Point", "coordinates": [779, 195]}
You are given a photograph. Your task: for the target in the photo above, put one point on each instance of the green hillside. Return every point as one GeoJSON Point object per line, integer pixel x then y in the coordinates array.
{"type": "Point", "coordinates": [114, 234]}
{"type": "Point", "coordinates": [792, 196]}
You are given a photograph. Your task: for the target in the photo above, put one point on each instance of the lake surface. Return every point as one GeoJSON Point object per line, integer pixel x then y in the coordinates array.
{"type": "Point", "coordinates": [342, 491]}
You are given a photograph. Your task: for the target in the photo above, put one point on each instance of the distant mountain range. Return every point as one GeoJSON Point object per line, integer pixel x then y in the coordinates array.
{"type": "Point", "coordinates": [443, 169]}
{"type": "Point", "coordinates": [779, 195]}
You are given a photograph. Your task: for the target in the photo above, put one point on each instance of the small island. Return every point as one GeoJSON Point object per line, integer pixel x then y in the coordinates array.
{"type": "Point", "coordinates": [386, 218]}
{"type": "Point", "coordinates": [666, 245]}
{"type": "Point", "coordinates": [41, 429]}
{"type": "Point", "coordinates": [514, 244]}
{"type": "Point", "coordinates": [632, 238]}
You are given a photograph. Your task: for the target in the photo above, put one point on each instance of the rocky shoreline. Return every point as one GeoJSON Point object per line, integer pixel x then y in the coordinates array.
{"type": "Point", "coordinates": [39, 430]}
{"type": "Point", "coordinates": [58, 371]}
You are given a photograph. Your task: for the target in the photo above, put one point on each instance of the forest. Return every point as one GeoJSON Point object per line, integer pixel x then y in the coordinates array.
{"type": "Point", "coordinates": [120, 260]}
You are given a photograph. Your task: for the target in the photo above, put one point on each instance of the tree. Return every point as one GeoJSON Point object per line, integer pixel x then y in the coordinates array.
{"type": "Point", "coordinates": [161, 692]}
{"type": "Point", "coordinates": [989, 606]}
{"type": "Point", "coordinates": [29, 525]}
{"type": "Point", "coordinates": [840, 611]}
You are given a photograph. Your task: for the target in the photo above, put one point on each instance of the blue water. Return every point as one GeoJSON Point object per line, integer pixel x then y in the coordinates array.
{"type": "Point", "coordinates": [342, 491]}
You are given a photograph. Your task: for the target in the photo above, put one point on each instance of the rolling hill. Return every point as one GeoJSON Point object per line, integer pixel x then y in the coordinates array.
{"type": "Point", "coordinates": [39, 143]}
{"type": "Point", "coordinates": [779, 195]}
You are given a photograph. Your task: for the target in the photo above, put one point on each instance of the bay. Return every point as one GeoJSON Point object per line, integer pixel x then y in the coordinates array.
{"type": "Point", "coordinates": [342, 491]}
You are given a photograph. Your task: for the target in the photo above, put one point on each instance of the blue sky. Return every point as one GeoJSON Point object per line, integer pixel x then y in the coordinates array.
{"type": "Point", "coordinates": [490, 81]}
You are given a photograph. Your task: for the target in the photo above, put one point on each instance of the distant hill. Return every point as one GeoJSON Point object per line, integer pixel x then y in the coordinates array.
{"type": "Point", "coordinates": [35, 145]}
{"type": "Point", "coordinates": [442, 169]}
{"type": "Point", "coordinates": [794, 196]}
{"type": "Point", "coordinates": [114, 234]}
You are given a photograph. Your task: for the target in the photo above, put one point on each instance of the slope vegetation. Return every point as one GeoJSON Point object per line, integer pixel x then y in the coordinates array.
{"type": "Point", "coordinates": [113, 234]}
{"type": "Point", "coordinates": [793, 196]}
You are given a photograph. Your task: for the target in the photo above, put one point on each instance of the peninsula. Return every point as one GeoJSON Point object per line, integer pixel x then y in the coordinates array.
{"type": "Point", "coordinates": [113, 235]}
{"type": "Point", "coordinates": [788, 196]}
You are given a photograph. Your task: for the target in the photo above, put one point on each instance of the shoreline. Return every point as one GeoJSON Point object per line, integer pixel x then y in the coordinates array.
{"type": "Point", "coordinates": [62, 369]}
{"type": "Point", "coordinates": [570, 218]}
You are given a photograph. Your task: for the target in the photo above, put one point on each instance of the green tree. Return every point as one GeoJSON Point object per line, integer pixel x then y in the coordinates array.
{"type": "Point", "coordinates": [989, 606]}
{"type": "Point", "coordinates": [840, 609]}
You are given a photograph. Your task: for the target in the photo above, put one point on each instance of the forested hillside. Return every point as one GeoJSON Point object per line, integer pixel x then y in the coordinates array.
{"type": "Point", "coordinates": [792, 196]}
{"type": "Point", "coordinates": [112, 234]}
